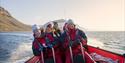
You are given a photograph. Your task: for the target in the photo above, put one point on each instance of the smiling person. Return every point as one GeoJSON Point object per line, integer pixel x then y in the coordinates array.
{"type": "Point", "coordinates": [39, 41]}
{"type": "Point", "coordinates": [56, 29]}
{"type": "Point", "coordinates": [72, 38]}
{"type": "Point", "coordinates": [52, 42]}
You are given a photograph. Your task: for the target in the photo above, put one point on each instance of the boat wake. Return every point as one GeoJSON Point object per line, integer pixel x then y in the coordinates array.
{"type": "Point", "coordinates": [95, 42]}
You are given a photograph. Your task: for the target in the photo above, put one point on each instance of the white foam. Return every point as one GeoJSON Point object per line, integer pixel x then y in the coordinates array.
{"type": "Point", "coordinates": [95, 42]}
{"type": "Point", "coordinates": [21, 54]}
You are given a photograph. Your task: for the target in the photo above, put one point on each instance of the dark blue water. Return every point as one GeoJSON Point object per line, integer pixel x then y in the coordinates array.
{"type": "Point", "coordinates": [15, 47]}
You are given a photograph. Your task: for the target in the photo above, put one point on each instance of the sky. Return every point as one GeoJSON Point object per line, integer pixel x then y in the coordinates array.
{"type": "Point", "coordinates": [93, 15]}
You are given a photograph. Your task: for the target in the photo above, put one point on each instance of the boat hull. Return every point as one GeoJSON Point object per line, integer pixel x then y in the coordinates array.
{"type": "Point", "coordinates": [91, 49]}
{"type": "Point", "coordinates": [108, 54]}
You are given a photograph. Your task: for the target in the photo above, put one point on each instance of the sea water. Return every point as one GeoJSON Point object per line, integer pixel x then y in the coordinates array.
{"type": "Point", "coordinates": [16, 47]}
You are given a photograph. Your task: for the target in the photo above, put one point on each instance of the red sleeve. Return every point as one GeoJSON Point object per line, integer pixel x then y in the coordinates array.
{"type": "Point", "coordinates": [35, 45]}
{"type": "Point", "coordinates": [50, 37]}
{"type": "Point", "coordinates": [42, 40]}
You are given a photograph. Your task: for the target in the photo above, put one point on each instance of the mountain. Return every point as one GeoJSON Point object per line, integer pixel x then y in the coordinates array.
{"type": "Point", "coordinates": [9, 23]}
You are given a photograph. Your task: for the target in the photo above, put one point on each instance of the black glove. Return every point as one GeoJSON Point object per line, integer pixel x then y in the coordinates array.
{"type": "Point", "coordinates": [49, 46]}
{"type": "Point", "coordinates": [76, 42]}
{"type": "Point", "coordinates": [41, 49]}
{"type": "Point", "coordinates": [54, 43]}
{"type": "Point", "coordinates": [71, 43]}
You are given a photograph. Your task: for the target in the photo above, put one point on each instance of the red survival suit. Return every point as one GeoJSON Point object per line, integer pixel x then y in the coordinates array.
{"type": "Point", "coordinates": [71, 35]}
{"type": "Point", "coordinates": [47, 51]}
{"type": "Point", "coordinates": [51, 40]}
{"type": "Point", "coordinates": [36, 46]}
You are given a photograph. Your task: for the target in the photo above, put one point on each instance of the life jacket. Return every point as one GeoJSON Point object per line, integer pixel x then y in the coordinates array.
{"type": "Point", "coordinates": [37, 45]}
{"type": "Point", "coordinates": [37, 42]}
{"type": "Point", "coordinates": [74, 36]}
{"type": "Point", "coordinates": [49, 38]}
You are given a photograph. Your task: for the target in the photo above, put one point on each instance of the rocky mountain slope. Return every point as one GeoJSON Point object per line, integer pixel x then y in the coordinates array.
{"type": "Point", "coordinates": [9, 23]}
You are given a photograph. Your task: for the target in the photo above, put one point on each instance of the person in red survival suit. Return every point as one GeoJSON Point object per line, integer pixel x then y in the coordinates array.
{"type": "Point", "coordinates": [73, 37]}
{"type": "Point", "coordinates": [52, 41]}
{"type": "Point", "coordinates": [56, 30]}
{"type": "Point", "coordinates": [39, 41]}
